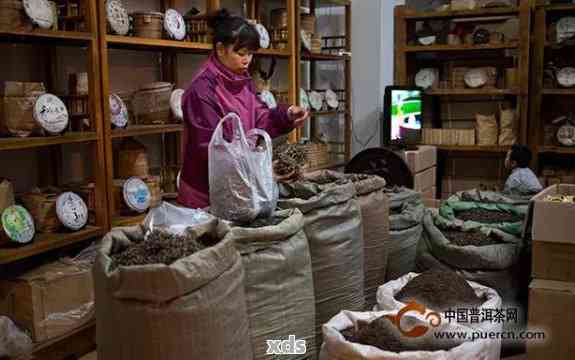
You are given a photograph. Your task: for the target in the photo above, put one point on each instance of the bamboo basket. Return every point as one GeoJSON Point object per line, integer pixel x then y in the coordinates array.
{"type": "Point", "coordinates": [317, 155]}
{"type": "Point", "coordinates": [12, 16]}
{"type": "Point", "coordinates": [465, 137]}
{"type": "Point", "coordinates": [279, 19]}
{"type": "Point", "coordinates": [152, 104]}
{"type": "Point", "coordinates": [132, 160]}
{"type": "Point", "coordinates": [279, 38]}
{"type": "Point", "coordinates": [42, 206]}
{"type": "Point", "coordinates": [148, 24]}
{"type": "Point", "coordinates": [198, 29]}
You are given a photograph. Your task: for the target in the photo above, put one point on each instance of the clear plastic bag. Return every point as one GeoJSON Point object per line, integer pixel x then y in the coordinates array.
{"type": "Point", "coordinates": [13, 342]}
{"type": "Point", "coordinates": [238, 182]}
{"type": "Point", "coordinates": [262, 156]}
{"type": "Point", "coordinates": [174, 219]}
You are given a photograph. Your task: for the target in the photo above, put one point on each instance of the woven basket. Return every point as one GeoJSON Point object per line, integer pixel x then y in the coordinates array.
{"type": "Point", "coordinates": [448, 136]}
{"type": "Point", "coordinates": [279, 38]}
{"type": "Point", "coordinates": [152, 104]}
{"type": "Point", "coordinates": [12, 15]}
{"type": "Point", "coordinates": [42, 207]}
{"type": "Point", "coordinates": [153, 183]}
{"type": "Point", "coordinates": [148, 24]}
{"type": "Point", "coordinates": [317, 155]}
{"type": "Point", "coordinates": [279, 19]}
{"type": "Point", "coordinates": [132, 160]}
{"type": "Point", "coordinates": [198, 29]}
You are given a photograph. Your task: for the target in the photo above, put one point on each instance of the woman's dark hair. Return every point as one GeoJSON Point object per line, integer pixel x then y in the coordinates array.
{"type": "Point", "coordinates": [521, 154]}
{"type": "Point", "coordinates": [233, 30]}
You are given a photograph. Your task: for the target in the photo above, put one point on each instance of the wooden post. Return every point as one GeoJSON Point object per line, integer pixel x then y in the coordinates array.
{"type": "Point", "coordinates": [536, 124]}
{"type": "Point", "coordinates": [293, 10]}
{"type": "Point", "coordinates": [348, 85]}
{"type": "Point", "coordinates": [400, 65]}
{"type": "Point", "coordinates": [524, 46]}
{"type": "Point", "coordinates": [213, 5]}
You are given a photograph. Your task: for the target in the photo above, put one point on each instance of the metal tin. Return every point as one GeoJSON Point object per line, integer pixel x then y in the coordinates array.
{"type": "Point", "coordinates": [264, 36]}
{"type": "Point", "coordinates": [51, 113]}
{"type": "Point", "coordinates": [316, 100]}
{"type": "Point", "coordinates": [18, 224]}
{"type": "Point", "coordinates": [118, 17]}
{"type": "Point", "coordinates": [118, 111]}
{"type": "Point", "coordinates": [331, 99]}
{"type": "Point", "coordinates": [303, 99]}
{"type": "Point", "coordinates": [176, 103]}
{"type": "Point", "coordinates": [174, 24]}
{"type": "Point", "coordinates": [137, 194]}
{"type": "Point", "coordinates": [268, 98]}
{"type": "Point", "coordinates": [72, 211]}
{"type": "Point", "coordinates": [40, 12]}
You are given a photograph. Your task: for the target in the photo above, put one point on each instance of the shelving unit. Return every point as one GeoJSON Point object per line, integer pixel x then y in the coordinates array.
{"type": "Point", "coordinates": [546, 102]}
{"type": "Point", "coordinates": [409, 58]}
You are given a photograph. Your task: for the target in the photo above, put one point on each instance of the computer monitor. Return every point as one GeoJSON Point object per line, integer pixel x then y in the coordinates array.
{"type": "Point", "coordinates": [402, 121]}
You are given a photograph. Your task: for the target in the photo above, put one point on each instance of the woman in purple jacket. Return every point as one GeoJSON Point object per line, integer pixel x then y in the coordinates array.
{"type": "Point", "coordinates": [223, 85]}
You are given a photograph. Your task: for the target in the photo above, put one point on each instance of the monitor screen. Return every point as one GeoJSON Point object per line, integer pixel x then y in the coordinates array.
{"type": "Point", "coordinates": [405, 115]}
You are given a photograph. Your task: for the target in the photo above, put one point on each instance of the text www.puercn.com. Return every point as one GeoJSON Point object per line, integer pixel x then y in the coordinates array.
{"type": "Point", "coordinates": [493, 335]}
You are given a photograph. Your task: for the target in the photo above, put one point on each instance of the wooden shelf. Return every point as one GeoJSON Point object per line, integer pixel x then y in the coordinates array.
{"type": "Point", "coordinates": [565, 92]}
{"type": "Point", "coordinates": [130, 42]}
{"type": "Point", "coordinates": [274, 52]}
{"type": "Point", "coordinates": [510, 10]}
{"type": "Point", "coordinates": [473, 92]}
{"type": "Point", "coordinates": [466, 47]}
{"type": "Point", "coordinates": [44, 242]}
{"type": "Point", "coordinates": [557, 150]}
{"type": "Point", "coordinates": [322, 57]}
{"type": "Point", "coordinates": [560, 7]}
{"type": "Point", "coordinates": [326, 113]}
{"type": "Point", "coordinates": [474, 148]}
{"type": "Point", "coordinates": [128, 220]}
{"type": "Point", "coordinates": [141, 130]}
{"type": "Point", "coordinates": [33, 142]}
{"type": "Point", "coordinates": [332, 3]}
{"type": "Point", "coordinates": [40, 35]}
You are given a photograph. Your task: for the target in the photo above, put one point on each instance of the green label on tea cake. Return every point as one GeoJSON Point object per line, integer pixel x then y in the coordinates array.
{"type": "Point", "coordinates": [18, 224]}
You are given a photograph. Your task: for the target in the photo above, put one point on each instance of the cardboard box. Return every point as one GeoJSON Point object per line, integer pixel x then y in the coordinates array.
{"type": "Point", "coordinates": [49, 301]}
{"type": "Point", "coordinates": [552, 309]}
{"type": "Point", "coordinates": [429, 193]}
{"type": "Point", "coordinates": [553, 239]}
{"type": "Point", "coordinates": [425, 180]}
{"type": "Point", "coordinates": [422, 159]}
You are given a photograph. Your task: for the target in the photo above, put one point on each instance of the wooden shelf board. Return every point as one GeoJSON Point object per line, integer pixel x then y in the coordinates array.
{"type": "Point", "coordinates": [560, 7]}
{"type": "Point", "coordinates": [32, 142]}
{"type": "Point", "coordinates": [474, 148]}
{"type": "Point", "coordinates": [140, 130]}
{"type": "Point", "coordinates": [332, 3]}
{"type": "Point", "coordinates": [322, 57]}
{"type": "Point", "coordinates": [274, 52]}
{"type": "Point", "coordinates": [509, 10]}
{"type": "Point", "coordinates": [326, 113]}
{"type": "Point", "coordinates": [116, 41]}
{"type": "Point", "coordinates": [472, 92]}
{"type": "Point", "coordinates": [557, 150]}
{"type": "Point", "coordinates": [568, 92]}
{"type": "Point", "coordinates": [128, 220]}
{"type": "Point", "coordinates": [466, 47]}
{"type": "Point", "coordinates": [44, 242]}
{"type": "Point", "coordinates": [62, 37]}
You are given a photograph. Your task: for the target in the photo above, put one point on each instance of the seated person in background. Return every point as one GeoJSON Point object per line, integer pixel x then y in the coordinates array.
{"type": "Point", "coordinates": [522, 180]}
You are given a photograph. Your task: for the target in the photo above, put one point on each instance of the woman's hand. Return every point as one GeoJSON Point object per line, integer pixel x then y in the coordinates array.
{"type": "Point", "coordinates": [298, 116]}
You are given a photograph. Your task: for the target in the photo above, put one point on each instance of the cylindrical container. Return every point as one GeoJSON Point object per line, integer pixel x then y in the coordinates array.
{"type": "Point", "coordinates": [308, 23]}
{"type": "Point", "coordinates": [42, 207]}
{"type": "Point", "coordinates": [198, 29]}
{"type": "Point", "coordinates": [148, 24]}
{"type": "Point", "coordinates": [132, 160]}
{"type": "Point", "coordinates": [152, 103]}
{"type": "Point", "coordinates": [279, 19]}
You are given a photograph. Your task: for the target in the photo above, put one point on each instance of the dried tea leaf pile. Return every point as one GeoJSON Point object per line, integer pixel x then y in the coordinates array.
{"type": "Point", "coordinates": [465, 238]}
{"type": "Point", "coordinates": [487, 217]}
{"type": "Point", "coordinates": [263, 222]}
{"type": "Point", "coordinates": [439, 290]}
{"type": "Point", "coordinates": [288, 158]}
{"type": "Point", "coordinates": [161, 247]}
{"type": "Point", "coordinates": [383, 334]}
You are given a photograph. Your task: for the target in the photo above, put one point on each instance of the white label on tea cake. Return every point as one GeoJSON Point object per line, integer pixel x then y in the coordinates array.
{"type": "Point", "coordinates": [331, 99]}
{"type": "Point", "coordinates": [174, 24]}
{"type": "Point", "coordinates": [117, 17]}
{"type": "Point", "coordinates": [40, 12]}
{"type": "Point", "coordinates": [18, 224]}
{"type": "Point", "coordinates": [72, 211]}
{"type": "Point", "coordinates": [315, 100]}
{"type": "Point", "coordinates": [118, 111]}
{"type": "Point", "coordinates": [264, 36]}
{"type": "Point", "coordinates": [51, 113]}
{"type": "Point", "coordinates": [268, 98]}
{"type": "Point", "coordinates": [137, 194]}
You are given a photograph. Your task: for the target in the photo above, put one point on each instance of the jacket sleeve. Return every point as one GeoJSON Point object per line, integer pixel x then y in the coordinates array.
{"type": "Point", "coordinates": [275, 122]}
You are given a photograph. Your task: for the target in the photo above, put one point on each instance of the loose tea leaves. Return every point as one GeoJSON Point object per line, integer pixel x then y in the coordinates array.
{"type": "Point", "coordinates": [383, 334]}
{"type": "Point", "coordinates": [487, 217]}
{"type": "Point", "coordinates": [263, 222]}
{"type": "Point", "coordinates": [161, 247]}
{"type": "Point", "coordinates": [475, 238]}
{"type": "Point", "coordinates": [439, 290]}
{"type": "Point", "coordinates": [289, 158]}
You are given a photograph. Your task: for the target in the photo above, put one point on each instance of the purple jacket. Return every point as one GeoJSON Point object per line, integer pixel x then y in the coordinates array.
{"type": "Point", "coordinates": [214, 92]}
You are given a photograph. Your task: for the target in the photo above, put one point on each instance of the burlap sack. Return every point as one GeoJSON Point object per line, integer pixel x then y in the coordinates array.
{"type": "Point", "coordinates": [17, 108]}
{"type": "Point", "coordinates": [374, 205]}
{"type": "Point", "coordinates": [334, 230]}
{"type": "Point", "coordinates": [192, 309]}
{"type": "Point", "coordinates": [508, 125]}
{"type": "Point", "coordinates": [278, 283]}
{"type": "Point", "coordinates": [487, 130]}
